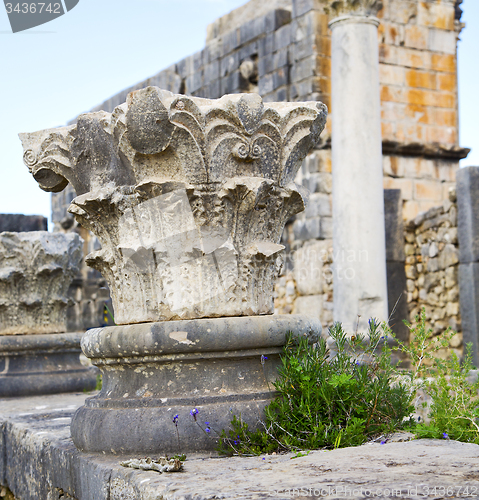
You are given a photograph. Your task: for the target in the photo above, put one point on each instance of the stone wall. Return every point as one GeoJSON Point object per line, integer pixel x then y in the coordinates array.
{"type": "Point", "coordinates": [19, 223]}
{"type": "Point", "coordinates": [432, 263]}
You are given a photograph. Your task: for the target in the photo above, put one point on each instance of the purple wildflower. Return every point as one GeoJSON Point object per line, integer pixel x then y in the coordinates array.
{"type": "Point", "coordinates": [193, 413]}
{"type": "Point", "coordinates": [445, 436]}
{"type": "Point", "coordinates": [175, 419]}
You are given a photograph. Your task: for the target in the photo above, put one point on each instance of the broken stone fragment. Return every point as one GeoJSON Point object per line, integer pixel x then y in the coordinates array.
{"type": "Point", "coordinates": [163, 464]}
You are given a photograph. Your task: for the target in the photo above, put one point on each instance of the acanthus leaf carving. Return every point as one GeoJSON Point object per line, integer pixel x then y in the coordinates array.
{"type": "Point", "coordinates": [188, 198]}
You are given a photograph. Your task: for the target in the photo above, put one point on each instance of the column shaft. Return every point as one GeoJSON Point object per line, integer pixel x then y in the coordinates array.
{"type": "Point", "coordinates": [358, 205]}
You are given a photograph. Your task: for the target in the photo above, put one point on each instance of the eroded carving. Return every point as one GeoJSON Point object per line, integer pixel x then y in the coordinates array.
{"type": "Point", "coordinates": [353, 7]}
{"type": "Point", "coordinates": [36, 270]}
{"type": "Point", "coordinates": [188, 197]}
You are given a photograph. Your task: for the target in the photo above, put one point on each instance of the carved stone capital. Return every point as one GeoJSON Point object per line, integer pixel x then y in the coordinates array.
{"type": "Point", "coordinates": [353, 7]}
{"type": "Point", "coordinates": [36, 270]}
{"type": "Point", "coordinates": [187, 196]}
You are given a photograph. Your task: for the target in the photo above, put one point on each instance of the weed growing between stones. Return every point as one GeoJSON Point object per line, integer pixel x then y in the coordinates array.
{"type": "Point", "coordinates": [328, 399]}
{"type": "Point", "coordinates": [454, 409]}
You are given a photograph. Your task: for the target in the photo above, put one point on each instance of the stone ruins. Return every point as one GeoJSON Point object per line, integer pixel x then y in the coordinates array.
{"type": "Point", "coordinates": [288, 54]}
{"type": "Point", "coordinates": [189, 198]}
{"type": "Point", "coordinates": [36, 355]}
{"type": "Point", "coordinates": [192, 191]}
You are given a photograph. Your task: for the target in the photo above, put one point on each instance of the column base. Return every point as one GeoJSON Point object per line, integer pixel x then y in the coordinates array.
{"type": "Point", "coordinates": [154, 371]}
{"type": "Point", "coordinates": [43, 364]}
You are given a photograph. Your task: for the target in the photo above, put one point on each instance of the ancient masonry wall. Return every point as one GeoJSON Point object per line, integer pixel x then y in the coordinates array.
{"type": "Point", "coordinates": [432, 264]}
{"type": "Point", "coordinates": [285, 54]}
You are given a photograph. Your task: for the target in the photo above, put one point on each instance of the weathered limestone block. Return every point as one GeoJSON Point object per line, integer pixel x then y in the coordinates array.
{"type": "Point", "coordinates": [36, 270]}
{"type": "Point", "coordinates": [187, 196]}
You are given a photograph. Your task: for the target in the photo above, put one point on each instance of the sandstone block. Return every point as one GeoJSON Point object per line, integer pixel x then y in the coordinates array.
{"type": "Point", "coordinates": [437, 15]}
{"type": "Point", "coordinates": [441, 41]}
{"type": "Point", "coordinates": [427, 190]}
{"type": "Point", "coordinates": [421, 79]}
{"type": "Point", "coordinates": [416, 37]}
{"type": "Point", "coordinates": [443, 62]}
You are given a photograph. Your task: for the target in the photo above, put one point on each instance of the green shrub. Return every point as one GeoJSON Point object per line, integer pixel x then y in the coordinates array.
{"type": "Point", "coordinates": [328, 399]}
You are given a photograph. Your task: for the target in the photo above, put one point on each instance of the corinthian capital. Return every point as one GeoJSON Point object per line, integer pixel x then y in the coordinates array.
{"type": "Point", "coordinates": [353, 7]}
{"type": "Point", "coordinates": [188, 197]}
{"type": "Point", "coordinates": [36, 269]}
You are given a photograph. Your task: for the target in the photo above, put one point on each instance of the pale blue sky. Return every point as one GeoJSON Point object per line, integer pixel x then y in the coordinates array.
{"type": "Point", "coordinates": [50, 74]}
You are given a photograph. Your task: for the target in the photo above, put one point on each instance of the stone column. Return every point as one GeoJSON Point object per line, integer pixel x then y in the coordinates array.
{"type": "Point", "coordinates": [188, 198]}
{"type": "Point", "coordinates": [36, 355]}
{"type": "Point", "coordinates": [360, 290]}
{"type": "Point", "coordinates": [467, 192]}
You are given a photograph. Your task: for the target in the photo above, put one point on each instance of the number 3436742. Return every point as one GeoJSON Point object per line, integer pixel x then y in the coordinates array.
{"type": "Point", "coordinates": [33, 8]}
